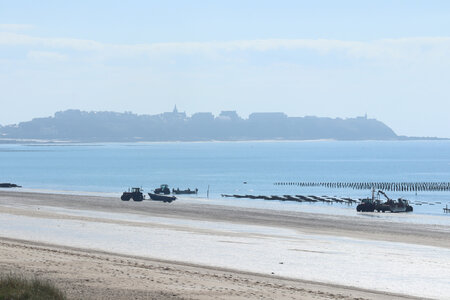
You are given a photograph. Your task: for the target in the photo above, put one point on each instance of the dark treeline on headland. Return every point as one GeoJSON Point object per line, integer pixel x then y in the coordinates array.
{"type": "Point", "coordinates": [80, 126]}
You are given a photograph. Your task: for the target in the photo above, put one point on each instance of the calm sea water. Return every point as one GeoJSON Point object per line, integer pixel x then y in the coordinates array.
{"type": "Point", "coordinates": [225, 166]}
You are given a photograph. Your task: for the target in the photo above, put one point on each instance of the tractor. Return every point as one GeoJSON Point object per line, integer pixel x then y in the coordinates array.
{"type": "Point", "coordinates": [163, 189]}
{"type": "Point", "coordinates": [366, 205]}
{"type": "Point", "coordinates": [135, 194]}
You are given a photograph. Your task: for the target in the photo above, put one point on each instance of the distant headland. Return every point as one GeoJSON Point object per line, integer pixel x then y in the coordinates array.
{"type": "Point", "coordinates": [82, 126]}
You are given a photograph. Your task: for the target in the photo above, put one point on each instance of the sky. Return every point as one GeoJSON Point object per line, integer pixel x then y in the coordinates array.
{"type": "Point", "coordinates": [387, 59]}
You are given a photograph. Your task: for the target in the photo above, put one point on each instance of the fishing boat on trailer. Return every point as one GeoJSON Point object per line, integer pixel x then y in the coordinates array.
{"type": "Point", "coordinates": [162, 198]}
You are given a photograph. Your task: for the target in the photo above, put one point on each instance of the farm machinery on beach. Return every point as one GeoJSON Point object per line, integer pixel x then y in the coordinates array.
{"type": "Point", "coordinates": [163, 189]}
{"type": "Point", "coordinates": [136, 194]}
{"type": "Point", "coordinates": [375, 204]}
{"type": "Point", "coordinates": [133, 193]}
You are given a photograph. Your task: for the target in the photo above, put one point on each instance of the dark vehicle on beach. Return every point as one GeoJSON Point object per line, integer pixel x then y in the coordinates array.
{"type": "Point", "coordinates": [163, 189]}
{"type": "Point", "coordinates": [401, 205]}
{"type": "Point", "coordinates": [135, 194]}
{"type": "Point", "coordinates": [366, 205]}
{"type": "Point", "coordinates": [184, 192]}
{"type": "Point", "coordinates": [394, 206]}
{"type": "Point", "coordinates": [162, 198]}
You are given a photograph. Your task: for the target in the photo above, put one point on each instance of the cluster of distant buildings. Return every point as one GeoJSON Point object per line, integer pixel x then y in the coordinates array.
{"type": "Point", "coordinates": [225, 115]}
{"type": "Point", "coordinates": [76, 125]}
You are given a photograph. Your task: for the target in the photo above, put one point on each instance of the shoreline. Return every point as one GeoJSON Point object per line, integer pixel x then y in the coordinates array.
{"type": "Point", "coordinates": [137, 142]}
{"type": "Point", "coordinates": [229, 239]}
{"type": "Point", "coordinates": [193, 208]}
{"type": "Point", "coordinates": [425, 218]}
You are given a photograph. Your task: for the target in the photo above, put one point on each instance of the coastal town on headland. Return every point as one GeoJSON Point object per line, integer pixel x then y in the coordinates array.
{"type": "Point", "coordinates": [82, 126]}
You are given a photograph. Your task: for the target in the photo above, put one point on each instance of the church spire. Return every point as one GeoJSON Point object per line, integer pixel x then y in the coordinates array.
{"type": "Point", "coordinates": [175, 110]}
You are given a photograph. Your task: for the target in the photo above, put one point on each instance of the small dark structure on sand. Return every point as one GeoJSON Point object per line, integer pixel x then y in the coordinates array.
{"type": "Point", "coordinates": [9, 185]}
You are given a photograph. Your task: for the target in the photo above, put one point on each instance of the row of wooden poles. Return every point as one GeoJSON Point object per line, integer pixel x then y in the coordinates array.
{"type": "Point", "coordinates": [386, 186]}
{"type": "Point", "coordinates": [297, 198]}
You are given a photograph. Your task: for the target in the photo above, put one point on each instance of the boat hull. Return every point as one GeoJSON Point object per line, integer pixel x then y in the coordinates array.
{"type": "Point", "coordinates": [162, 198]}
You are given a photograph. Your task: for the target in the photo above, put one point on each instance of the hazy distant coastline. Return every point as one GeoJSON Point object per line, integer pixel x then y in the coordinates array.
{"type": "Point", "coordinates": [80, 126]}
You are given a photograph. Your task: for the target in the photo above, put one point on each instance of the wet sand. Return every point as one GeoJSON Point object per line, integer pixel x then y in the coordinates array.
{"type": "Point", "coordinates": [369, 228]}
{"type": "Point", "coordinates": [90, 274]}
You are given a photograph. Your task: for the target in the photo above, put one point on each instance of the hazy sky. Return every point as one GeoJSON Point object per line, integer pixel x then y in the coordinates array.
{"type": "Point", "coordinates": [389, 59]}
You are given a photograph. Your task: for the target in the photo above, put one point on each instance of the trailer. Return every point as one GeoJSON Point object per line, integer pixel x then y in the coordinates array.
{"type": "Point", "coordinates": [162, 198]}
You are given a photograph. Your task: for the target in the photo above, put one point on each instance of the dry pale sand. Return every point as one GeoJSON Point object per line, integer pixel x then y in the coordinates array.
{"type": "Point", "coordinates": [88, 274]}
{"type": "Point", "coordinates": [97, 275]}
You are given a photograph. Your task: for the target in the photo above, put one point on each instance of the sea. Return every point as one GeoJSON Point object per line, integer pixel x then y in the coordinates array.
{"type": "Point", "coordinates": [217, 168]}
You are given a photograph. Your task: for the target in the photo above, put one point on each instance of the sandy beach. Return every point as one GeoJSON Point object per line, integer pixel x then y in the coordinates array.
{"type": "Point", "coordinates": [102, 248]}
